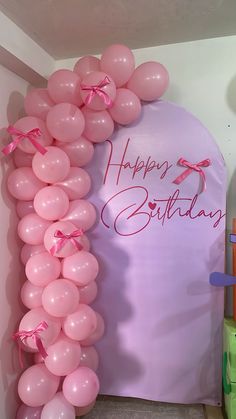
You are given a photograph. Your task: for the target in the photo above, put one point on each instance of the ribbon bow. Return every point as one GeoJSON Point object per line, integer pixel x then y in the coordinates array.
{"type": "Point", "coordinates": [190, 167]}
{"type": "Point", "coordinates": [97, 89]}
{"type": "Point", "coordinates": [63, 239]}
{"type": "Point", "coordinates": [32, 135]}
{"type": "Point", "coordinates": [35, 334]}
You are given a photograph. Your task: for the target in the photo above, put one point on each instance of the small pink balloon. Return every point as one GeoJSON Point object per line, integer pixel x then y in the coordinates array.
{"type": "Point", "coordinates": [23, 184]}
{"type": "Point", "coordinates": [22, 159]}
{"type": "Point", "coordinates": [29, 250]}
{"type": "Point", "coordinates": [126, 108]}
{"type": "Point", "coordinates": [37, 385]}
{"type": "Point", "coordinates": [80, 324]}
{"type": "Point", "coordinates": [82, 267]}
{"type": "Point", "coordinates": [82, 411]}
{"type": "Point", "coordinates": [81, 387]}
{"type": "Point", "coordinates": [118, 61]}
{"type": "Point", "coordinates": [106, 92]}
{"type": "Point", "coordinates": [58, 408]}
{"type": "Point", "coordinates": [38, 358]}
{"type": "Point", "coordinates": [25, 125]}
{"type": "Point", "coordinates": [99, 126]}
{"type": "Point", "coordinates": [27, 412]}
{"type": "Point", "coordinates": [89, 357]}
{"type": "Point", "coordinates": [42, 269]}
{"type": "Point", "coordinates": [51, 203]}
{"type": "Point", "coordinates": [86, 65]}
{"type": "Point", "coordinates": [97, 335]}
{"type": "Point", "coordinates": [65, 122]}
{"type": "Point", "coordinates": [51, 167]}
{"type": "Point", "coordinates": [88, 293]}
{"type": "Point", "coordinates": [149, 81]}
{"type": "Point", "coordinates": [64, 86]}
{"type": "Point", "coordinates": [24, 208]}
{"type": "Point", "coordinates": [76, 185]}
{"type": "Point", "coordinates": [80, 152]}
{"type": "Point", "coordinates": [81, 213]}
{"type": "Point", "coordinates": [37, 103]}
{"type": "Point", "coordinates": [31, 295]}
{"type": "Point", "coordinates": [60, 298]}
{"type": "Point", "coordinates": [31, 229]}
{"type": "Point", "coordinates": [63, 356]}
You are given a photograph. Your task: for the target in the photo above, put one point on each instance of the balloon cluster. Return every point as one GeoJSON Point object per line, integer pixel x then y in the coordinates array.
{"type": "Point", "coordinates": [51, 145]}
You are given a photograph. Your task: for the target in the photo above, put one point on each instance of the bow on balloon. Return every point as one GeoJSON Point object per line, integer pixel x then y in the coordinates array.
{"type": "Point", "coordinates": [31, 135]}
{"type": "Point", "coordinates": [197, 167]}
{"type": "Point", "coordinates": [97, 89]}
{"type": "Point", "coordinates": [63, 239]}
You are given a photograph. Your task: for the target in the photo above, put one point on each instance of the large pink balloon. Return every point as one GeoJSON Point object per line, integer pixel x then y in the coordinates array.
{"type": "Point", "coordinates": [65, 122]}
{"type": "Point", "coordinates": [51, 167]}
{"type": "Point", "coordinates": [42, 269]}
{"type": "Point", "coordinates": [149, 81]}
{"type": "Point", "coordinates": [76, 185]}
{"type": "Point", "coordinates": [60, 298]}
{"type": "Point", "coordinates": [22, 159]}
{"type": "Point", "coordinates": [82, 267]}
{"type": "Point", "coordinates": [25, 125]}
{"type": "Point", "coordinates": [63, 356]}
{"type": "Point", "coordinates": [99, 126]}
{"type": "Point", "coordinates": [37, 103]}
{"type": "Point", "coordinates": [81, 213]}
{"type": "Point", "coordinates": [24, 208]}
{"type": "Point", "coordinates": [37, 385]}
{"type": "Point", "coordinates": [126, 108]}
{"type": "Point", "coordinates": [51, 203]}
{"type": "Point", "coordinates": [29, 250]}
{"type": "Point", "coordinates": [27, 412]}
{"type": "Point", "coordinates": [97, 335]}
{"type": "Point", "coordinates": [98, 102]}
{"type": "Point", "coordinates": [81, 387]}
{"type": "Point", "coordinates": [80, 152]}
{"type": "Point", "coordinates": [23, 184]}
{"type": "Point", "coordinates": [82, 411]}
{"type": "Point", "coordinates": [64, 86]}
{"type": "Point", "coordinates": [58, 408]}
{"type": "Point", "coordinates": [86, 65]}
{"type": "Point", "coordinates": [89, 357]}
{"type": "Point", "coordinates": [31, 295]}
{"type": "Point", "coordinates": [80, 324]}
{"type": "Point", "coordinates": [31, 229]}
{"type": "Point", "coordinates": [88, 293]}
{"type": "Point", "coordinates": [118, 61]}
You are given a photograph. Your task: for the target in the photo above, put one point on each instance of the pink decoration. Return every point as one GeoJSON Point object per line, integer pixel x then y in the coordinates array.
{"type": "Point", "coordinates": [81, 213]}
{"type": "Point", "coordinates": [81, 323]}
{"type": "Point", "coordinates": [86, 65]}
{"type": "Point", "coordinates": [24, 208]}
{"type": "Point", "coordinates": [99, 126]}
{"type": "Point", "coordinates": [118, 61]}
{"type": "Point", "coordinates": [80, 151]}
{"type": "Point", "coordinates": [81, 267]}
{"type": "Point", "coordinates": [64, 86]}
{"type": "Point", "coordinates": [19, 135]}
{"type": "Point", "coordinates": [63, 238]}
{"type": "Point", "coordinates": [23, 184]}
{"type": "Point", "coordinates": [22, 159]}
{"type": "Point", "coordinates": [88, 293]}
{"type": "Point", "coordinates": [89, 357]}
{"type": "Point", "coordinates": [42, 269]}
{"type": "Point", "coordinates": [77, 184]}
{"type": "Point", "coordinates": [29, 250]}
{"type": "Point", "coordinates": [65, 122]}
{"type": "Point", "coordinates": [60, 298]}
{"type": "Point", "coordinates": [81, 387]}
{"type": "Point", "coordinates": [35, 335]}
{"type": "Point", "coordinates": [126, 107]}
{"type": "Point", "coordinates": [53, 166]}
{"type": "Point", "coordinates": [58, 408]}
{"type": "Point", "coordinates": [97, 334]}
{"type": "Point", "coordinates": [51, 203]}
{"type": "Point", "coordinates": [31, 229]}
{"type": "Point", "coordinates": [63, 356]}
{"type": "Point", "coordinates": [98, 91]}
{"type": "Point", "coordinates": [31, 295]}
{"type": "Point", "coordinates": [197, 167]}
{"type": "Point", "coordinates": [27, 412]}
{"type": "Point", "coordinates": [37, 103]}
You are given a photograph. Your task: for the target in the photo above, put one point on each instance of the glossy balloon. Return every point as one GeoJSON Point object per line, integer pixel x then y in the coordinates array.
{"type": "Point", "coordinates": [89, 357]}
{"type": "Point", "coordinates": [51, 203]}
{"type": "Point", "coordinates": [86, 65]}
{"type": "Point", "coordinates": [118, 61]}
{"type": "Point", "coordinates": [63, 356]}
{"type": "Point", "coordinates": [88, 293]}
{"type": "Point", "coordinates": [65, 122]}
{"type": "Point", "coordinates": [37, 103]}
{"type": "Point", "coordinates": [76, 185]}
{"type": "Point", "coordinates": [80, 152]}
{"type": "Point", "coordinates": [58, 408]}
{"type": "Point", "coordinates": [25, 125]}
{"type": "Point", "coordinates": [24, 208]}
{"type": "Point", "coordinates": [51, 167]}
{"type": "Point", "coordinates": [126, 108]}
{"type": "Point", "coordinates": [82, 267]}
{"type": "Point", "coordinates": [99, 125]}
{"type": "Point", "coordinates": [42, 269]}
{"type": "Point", "coordinates": [81, 387]}
{"type": "Point", "coordinates": [23, 184]}
{"type": "Point", "coordinates": [64, 86]}
{"type": "Point", "coordinates": [81, 213]}
{"type": "Point", "coordinates": [31, 229]}
{"type": "Point", "coordinates": [29, 250]}
{"type": "Point", "coordinates": [22, 159]}
{"type": "Point", "coordinates": [97, 335]}
{"type": "Point", "coordinates": [27, 412]}
{"type": "Point", "coordinates": [80, 324]}
{"type": "Point", "coordinates": [60, 298]}
{"type": "Point", "coordinates": [31, 295]}
{"type": "Point", "coordinates": [98, 103]}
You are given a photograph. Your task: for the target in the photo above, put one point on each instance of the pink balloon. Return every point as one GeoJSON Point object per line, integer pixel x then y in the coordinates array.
{"type": "Point", "coordinates": [31, 229]}
{"type": "Point", "coordinates": [29, 250]}
{"type": "Point", "coordinates": [23, 184]}
{"type": "Point", "coordinates": [97, 335]}
{"type": "Point", "coordinates": [76, 185]}
{"type": "Point", "coordinates": [68, 247]}
{"type": "Point", "coordinates": [31, 295]}
{"type": "Point", "coordinates": [60, 298]}
{"type": "Point", "coordinates": [37, 358]}
{"type": "Point", "coordinates": [65, 122]}
{"type": "Point", "coordinates": [89, 357]}
{"type": "Point", "coordinates": [64, 86]}
{"type": "Point", "coordinates": [22, 159]}
{"type": "Point", "coordinates": [25, 125]}
{"type": "Point", "coordinates": [51, 167]}
{"type": "Point", "coordinates": [24, 208]}
{"type": "Point", "coordinates": [118, 61]}
{"type": "Point", "coordinates": [51, 203]}
{"type": "Point", "coordinates": [42, 269]}
{"type": "Point", "coordinates": [82, 267]}
{"type": "Point", "coordinates": [80, 152]}
{"type": "Point", "coordinates": [63, 356]}
{"type": "Point", "coordinates": [27, 412]}
{"type": "Point", "coordinates": [88, 293]}
{"type": "Point", "coordinates": [80, 324]}
{"type": "Point", "coordinates": [86, 65]}
{"type": "Point", "coordinates": [99, 126]}
{"type": "Point", "coordinates": [98, 102]}
{"type": "Point", "coordinates": [81, 213]}
{"type": "Point", "coordinates": [81, 411]}
{"type": "Point", "coordinates": [37, 103]}
{"type": "Point", "coordinates": [149, 81]}
{"type": "Point", "coordinates": [126, 108]}
{"type": "Point", "coordinates": [37, 385]}
{"type": "Point", "coordinates": [58, 408]}
{"type": "Point", "coordinates": [81, 387]}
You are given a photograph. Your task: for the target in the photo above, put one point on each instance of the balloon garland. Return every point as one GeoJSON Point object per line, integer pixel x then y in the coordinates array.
{"type": "Point", "coordinates": [50, 146]}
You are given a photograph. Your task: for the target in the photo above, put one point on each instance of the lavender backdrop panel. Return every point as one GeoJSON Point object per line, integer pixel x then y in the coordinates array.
{"type": "Point", "coordinates": [157, 242]}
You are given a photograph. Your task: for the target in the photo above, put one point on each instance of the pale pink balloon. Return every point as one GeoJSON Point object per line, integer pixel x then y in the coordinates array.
{"type": "Point", "coordinates": [60, 298]}
{"type": "Point", "coordinates": [24, 208]}
{"type": "Point", "coordinates": [23, 184]}
{"type": "Point", "coordinates": [25, 125]}
{"type": "Point", "coordinates": [64, 86]}
{"type": "Point", "coordinates": [80, 324]}
{"type": "Point", "coordinates": [82, 267]}
{"type": "Point", "coordinates": [149, 81]}
{"type": "Point", "coordinates": [63, 356]}
{"type": "Point", "coordinates": [38, 358]}
{"type": "Point", "coordinates": [89, 357]}
{"type": "Point", "coordinates": [27, 412]}
{"type": "Point", "coordinates": [51, 203]}
{"type": "Point", "coordinates": [82, 411]}
{"type": "Point", "coordinates": [126, 108]}
{"type": "Point", "coordinates": [31, 295]}
{"type": "Point", "coordinates": [68, 247]}
{"type": "Point", "coordinates": [42, 269]}
{"type": "Point", "coordinates": [22, 159]}
{"type": "Point", "coordinates": [118, 61]}
{"type": "Point", "coordinates": [65, 122]}
{"type": "Point", "coordinates": [29, 250]}
{"type": "Point", "coordinates": [31, 229]}
{"type": "Point", "coordinates": [97, 335]}
{"type": "Point", "coordinates": [81, 387]}
{"type": "Point", "coordinates": [76, 185]}
{"type": "Point", "coordinates": [86, 65]}
{"type": "Point", "coordinates": [37, 385]}
{"type": "Point", "coordinates": [37, 103]}
{"type": "Point", "coordinates": [99, 126]}
{"type": "Point", "coordinates": [58, 408]}
{"type": "Point", "coordinates": [80, 152]}
{"type": "Point", "coordinates": [51, 167]}
{"type": "Point", "coordinates": [107, 93]}
{"type": "Point", "coordinates": [88, 293]}
{"type": "Point", "coordinates": [81, 213]}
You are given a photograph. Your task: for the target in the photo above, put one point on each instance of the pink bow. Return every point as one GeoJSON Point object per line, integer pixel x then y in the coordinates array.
{"type": "Point", "coordinates": [63, 238]}
{"type": "Point", "coordinates": [97, 90]}
{"type": "Point", "coordinates": [190, 167]}
{"type": "Point", "coordinates": [35, 334]}
{"type": "Point", "coordinates": [32, 135]}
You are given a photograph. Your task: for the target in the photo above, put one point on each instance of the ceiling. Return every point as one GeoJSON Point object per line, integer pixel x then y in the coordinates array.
{"type": "Point", "coordinates": [71, 28]}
